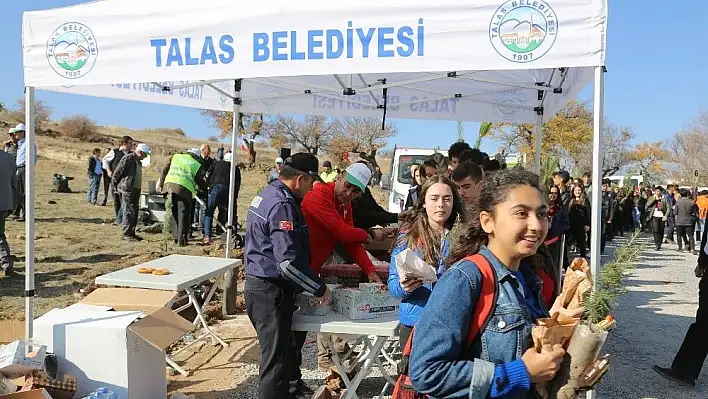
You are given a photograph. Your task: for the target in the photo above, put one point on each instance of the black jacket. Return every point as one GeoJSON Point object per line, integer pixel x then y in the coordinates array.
{"type": "Point", "coordinates": [368, 213]}
{"type": "Point", "coordinates": [579, 216]}
{"type": "Point", "coordinates": [92, 165]}
{"type": "Point", "coordinates": [218, 173]}
{"type": "Point", "coordinates": [412, 199]}
{"type": "Point", "coordinates": [686, 212]}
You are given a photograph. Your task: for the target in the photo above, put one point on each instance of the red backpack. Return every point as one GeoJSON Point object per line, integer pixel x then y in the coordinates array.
{"type": "Point", "coordinates": [483, 312]}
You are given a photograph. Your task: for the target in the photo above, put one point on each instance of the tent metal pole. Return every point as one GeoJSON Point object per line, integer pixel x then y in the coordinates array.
{"type": "Point", "coordinates": [539, 139]}
{"type": "Point", "coordinates": [597, 144]}
{"type": "Point", "coordinates": [229, 302]}
{"type": "Point", "coordinates": [29, 209]}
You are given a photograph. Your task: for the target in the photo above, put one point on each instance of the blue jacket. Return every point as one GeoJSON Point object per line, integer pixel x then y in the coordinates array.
{"type": "Point", "coordinates": [412, 304]}
{"type": "Point", "coordinates": [492, 366]}
{"type": "Point", "coordinates": [278, 242]}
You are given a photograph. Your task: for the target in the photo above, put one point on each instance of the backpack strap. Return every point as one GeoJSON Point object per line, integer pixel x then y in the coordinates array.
{"type": "Point", "coordinates": [484, 308]}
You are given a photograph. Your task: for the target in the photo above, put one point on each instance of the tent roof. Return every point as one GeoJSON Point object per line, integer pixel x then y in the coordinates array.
{"type": "Point", "coordinates": [444, 60]}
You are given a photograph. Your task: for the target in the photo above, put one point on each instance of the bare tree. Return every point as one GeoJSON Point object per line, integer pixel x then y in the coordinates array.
{"type": "Point", "coordinates": [688, 149]}
{"type": "Point", "coordinates": [312, 133]}
{"type": "Point", "coordinates": [249, 125]}
{"type": "Point", "coordinates": [616, 152]}
{"type": "Point", "coordinates": [565, 136]}
{"type": "Point", "coordinates": [362, 136]}
{"type": "Point", "coordinates": [42, 113]}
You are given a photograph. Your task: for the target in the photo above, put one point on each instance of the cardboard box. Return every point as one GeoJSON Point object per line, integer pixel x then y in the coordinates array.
{"type": "Point", "coordinates": [358, 305]}
{"type": "Point", "coordinates": [16, 362]}
{"type": "Point", "coordinates": [34, 394]}
{"type": "Point", "coordinates": [11, 331]}
{"type": "Point", "coordinates": [60, 388]}
{"type": "Point", "coordinates": [116, 337]}
{"type": "Point", "coordinates": [7, 386]}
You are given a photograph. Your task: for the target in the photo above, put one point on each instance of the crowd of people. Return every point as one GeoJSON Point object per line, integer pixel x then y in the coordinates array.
{"type": "Point", "coordinates": [502, 214]}
{"type": "Point", "coordinates": [195, 183]}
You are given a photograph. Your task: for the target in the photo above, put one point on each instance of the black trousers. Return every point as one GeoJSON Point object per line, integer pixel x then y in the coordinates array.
{"type": "Point", "coordinates": [20, 179]}
{"type": "Point", "coordinates": [181, 212]}
{"type": "Point", "coordinates": [270, 306]}
{"type": "Point", "coordinates": [670, 225]}
{"type": "Point", "coordinates": [689, 359]}
{"type": "Point", "coordinates": [106, 184]}
{"type": "Point", "coordinates": [404, 333]}
{"type": "Point", "coordinates": [579, 236]}
{"type": "Point", "coordinates": [681, 237]}
{"type": "Point", "coordinates": [129, 207]}
{"type": "Point", "coordinates": [117, 206]}
{"type": "Point", "coordinates": [657, 226]}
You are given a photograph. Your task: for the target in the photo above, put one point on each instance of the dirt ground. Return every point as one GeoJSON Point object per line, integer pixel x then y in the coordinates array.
{"type": "Point", "coordinates": [216, 372]}
{"type": "Point", "coordinates": [75, 242]}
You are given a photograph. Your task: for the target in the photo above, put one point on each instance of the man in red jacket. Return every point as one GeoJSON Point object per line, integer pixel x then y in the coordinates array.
{"type": "Point", "coordinates": [328, 212]}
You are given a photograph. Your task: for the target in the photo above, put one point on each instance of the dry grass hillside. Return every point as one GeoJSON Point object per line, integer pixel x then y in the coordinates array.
{"type": "Point", "coordinates": [75, 241]}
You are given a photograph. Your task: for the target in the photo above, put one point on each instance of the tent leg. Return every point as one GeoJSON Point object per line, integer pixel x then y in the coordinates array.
{"type": "Point", "coordinates": [597, 144]}
{"type": "Point", "coordinates": [228, 304]}
{"type": "Point", "coordinates": [29, 209]}
{"type": "Point", "coordinates": [539, 139]}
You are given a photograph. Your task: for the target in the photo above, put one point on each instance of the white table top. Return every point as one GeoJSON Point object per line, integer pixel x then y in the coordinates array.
{"type": "Point", "coordinates": [185, 271]}
{"type": "Point", "coordinates": [337, 323]}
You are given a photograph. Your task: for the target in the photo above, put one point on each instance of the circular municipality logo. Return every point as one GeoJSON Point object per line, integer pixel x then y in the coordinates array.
{"type": "Point", "coordinates": [227, 87]}
{"type": "Point", "coordinates": [515, 99]}
{"type": "Point", "coordinates": [270, 96]}
{"type": "Point", "coordinates": [523, 30]}
{"type": "Point", "coordinates": [72, 50]}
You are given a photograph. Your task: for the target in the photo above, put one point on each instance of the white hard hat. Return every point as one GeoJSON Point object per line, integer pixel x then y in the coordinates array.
{"type": "Point", "coordinates": [19, 128]}
{"type": "Point", "coordinates": [144, 148]}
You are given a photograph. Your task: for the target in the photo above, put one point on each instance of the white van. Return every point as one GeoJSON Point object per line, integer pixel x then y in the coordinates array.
{"type": "Point", "coordinates": [619, 180]}
{"type": "Point", "coordinates": [400, 176]}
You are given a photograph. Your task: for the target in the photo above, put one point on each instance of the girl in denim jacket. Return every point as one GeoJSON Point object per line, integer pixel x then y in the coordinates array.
{"type": "Point", "coordinates": [426, 231]}
{"type": "Point", "coordinates": [508, 222]}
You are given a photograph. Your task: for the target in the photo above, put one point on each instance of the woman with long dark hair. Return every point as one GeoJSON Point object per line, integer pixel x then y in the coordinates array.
{"type": "Point", "coordinates": [579, 211]}
{"type": "Point", "coordinates": [508, 223]}
{"type": "Point", "coordinates": [425, 230]}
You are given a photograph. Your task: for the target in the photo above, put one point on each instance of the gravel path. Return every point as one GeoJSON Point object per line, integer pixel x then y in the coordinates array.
{"type": "Point", "coordinates": [652, 319]}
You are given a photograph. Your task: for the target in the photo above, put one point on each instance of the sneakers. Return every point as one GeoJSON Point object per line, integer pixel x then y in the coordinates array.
{"type": "Point", "coordinates": [673, 375]}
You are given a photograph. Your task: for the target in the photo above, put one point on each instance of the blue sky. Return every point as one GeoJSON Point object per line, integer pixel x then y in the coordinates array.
{"type": "Point", "coordinates": [657, 78]}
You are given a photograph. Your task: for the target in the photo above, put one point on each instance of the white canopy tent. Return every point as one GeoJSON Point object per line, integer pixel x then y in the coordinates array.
{"type": "Point", "coordinates": [516, 61]}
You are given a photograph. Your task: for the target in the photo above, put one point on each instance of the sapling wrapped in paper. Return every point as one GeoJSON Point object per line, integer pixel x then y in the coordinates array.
{"type": "Point", "coordinates": [583, 350]}
{"type": "Point", "coordinates": [549, 332]}
{"type": "Point", "coordinates": [580, 267]}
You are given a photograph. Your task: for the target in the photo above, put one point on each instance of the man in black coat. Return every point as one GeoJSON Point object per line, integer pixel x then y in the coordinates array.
{"type": "Point", "coordinates": [689, 359]}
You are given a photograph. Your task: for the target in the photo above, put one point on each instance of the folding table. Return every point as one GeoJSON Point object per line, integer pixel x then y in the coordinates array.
{"type": "Point", "coordinates": [185, 273]}
{"type": "Point", "coordinates": [373, 334]}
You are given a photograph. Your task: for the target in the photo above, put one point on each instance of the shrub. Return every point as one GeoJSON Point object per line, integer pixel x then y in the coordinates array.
{"type": "Point", "coordinates": [79, 127]}
{"type": "Point", "coordinates": [213, 138]}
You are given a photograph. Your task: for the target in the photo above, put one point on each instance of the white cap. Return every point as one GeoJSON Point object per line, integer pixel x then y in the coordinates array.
{"type": "Point", "coordinates": [19, 128]}
{"type": "Point", "coordinates": [228, 157]}
{"type": "Point", "coordinates": [359, 175]}
{"type": "Point", "coordinates": [144, 148]}
{"type": "Point", "coordinates": [279, 160]}
{"type": "Point", "coordinates": [195, 151]}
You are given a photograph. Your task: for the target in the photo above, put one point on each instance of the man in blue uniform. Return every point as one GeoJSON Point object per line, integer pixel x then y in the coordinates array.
{"type": "Point", "coordinates": [278, 267]}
